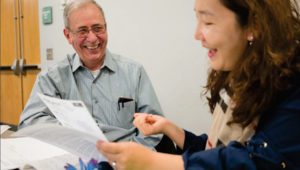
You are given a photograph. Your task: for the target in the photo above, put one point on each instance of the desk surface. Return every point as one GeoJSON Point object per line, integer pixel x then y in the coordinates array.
{"type": "Point", "coordinates": [7, 134]}
{"type": "Point", "coordinates": [11, 130]}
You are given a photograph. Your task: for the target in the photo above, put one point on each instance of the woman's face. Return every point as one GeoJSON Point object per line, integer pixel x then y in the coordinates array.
{"type": "Point", "coordinates": [220, 33]}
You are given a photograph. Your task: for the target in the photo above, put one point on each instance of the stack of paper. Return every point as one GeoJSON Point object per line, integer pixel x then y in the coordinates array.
{"type": "Point", "coordinates": [25, 153]}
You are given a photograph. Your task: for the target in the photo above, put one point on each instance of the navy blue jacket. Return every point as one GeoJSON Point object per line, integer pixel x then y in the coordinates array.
{"type": "Point", "coordinates": [275, 145]}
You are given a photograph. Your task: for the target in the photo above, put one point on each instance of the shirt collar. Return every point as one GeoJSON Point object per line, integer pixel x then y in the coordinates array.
{"type": "Point", "coordinates": [76, 62]}
{"type": "Point", "coordinates": [108, 62]}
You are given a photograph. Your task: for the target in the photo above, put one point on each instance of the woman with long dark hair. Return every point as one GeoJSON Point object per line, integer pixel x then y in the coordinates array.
{"type": "Point", "coordinates": [254, 93]}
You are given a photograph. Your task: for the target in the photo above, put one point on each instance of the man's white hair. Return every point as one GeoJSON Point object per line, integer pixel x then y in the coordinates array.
{"type": "Point", "coordinates": [75, 5]}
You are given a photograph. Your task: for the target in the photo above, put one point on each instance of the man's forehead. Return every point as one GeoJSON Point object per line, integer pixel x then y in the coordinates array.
{"type": "Point", "coordinates": [86, 16]}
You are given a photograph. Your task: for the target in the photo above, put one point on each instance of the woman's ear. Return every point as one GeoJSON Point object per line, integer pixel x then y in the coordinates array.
{"type": "Point", "coordinates": [254, 31]}
{"type": "Point", "coordinates": [250, 37]}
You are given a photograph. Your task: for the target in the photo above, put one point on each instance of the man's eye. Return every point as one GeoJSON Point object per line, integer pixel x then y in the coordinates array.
{"type": "Point", "coordinates": [98, 29]}
{"type": "Point", "coordinates": [208, 23]}
{"type": "Point", "coordinates": [82, 32]}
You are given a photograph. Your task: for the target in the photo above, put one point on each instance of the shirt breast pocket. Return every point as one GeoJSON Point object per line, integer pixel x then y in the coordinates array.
{"type": "Point", "coordinates": [125, 115]}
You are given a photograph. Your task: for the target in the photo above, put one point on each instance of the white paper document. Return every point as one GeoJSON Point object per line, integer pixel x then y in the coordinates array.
{"type": "Point", "coordinates": [54, 163]}
{"type": "Point", "coordinates": [4, 128]}
{"type": "Point", "coordinates": [73, 114]}
{"type": "Point", "coordinates": [16, 152]}
{"type": "Point", "coordinates": [7, 164]}
{"type": "Point", "coordinates": [78, 143]}
{"type": "Point", "coordinates": [79, 133]}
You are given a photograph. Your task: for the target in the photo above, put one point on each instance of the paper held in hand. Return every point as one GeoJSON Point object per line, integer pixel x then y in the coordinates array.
{"type": "Point", "coordinates": [79, 133]}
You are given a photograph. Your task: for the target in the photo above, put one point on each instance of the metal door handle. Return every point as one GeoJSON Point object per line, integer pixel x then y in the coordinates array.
{"type": "Point", "coordinates": [21, 65]}
{"type": "Point", "coordinates": [15, 67]}
{"type": "Point", "coordinates": [6, 68]}
{"type": "Point", "coordinates": [24, 67]}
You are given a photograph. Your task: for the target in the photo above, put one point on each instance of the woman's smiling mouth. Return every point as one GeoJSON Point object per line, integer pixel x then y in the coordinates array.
{"type": "Point", "coordinates": [212, 52]}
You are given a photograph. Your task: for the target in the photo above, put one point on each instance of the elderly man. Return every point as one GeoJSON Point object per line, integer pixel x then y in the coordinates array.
{"type": "Point", "coordinates": [97, 77]}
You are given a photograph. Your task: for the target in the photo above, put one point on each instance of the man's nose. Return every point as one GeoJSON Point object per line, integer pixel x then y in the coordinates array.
{"type": "Point", "coordinates": [91, 36]}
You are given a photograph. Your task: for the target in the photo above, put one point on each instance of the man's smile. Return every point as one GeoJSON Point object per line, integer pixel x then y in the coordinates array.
{"type": "Point", "coordinates": [92, 48]}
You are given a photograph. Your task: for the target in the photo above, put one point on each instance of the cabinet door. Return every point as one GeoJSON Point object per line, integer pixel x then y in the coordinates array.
{"type": "Point", "coordinates": [31, 44]}
{"type": "Point", "coordinates": [15, 89]}
{"type": "Point", "coordinates": [11, 85]}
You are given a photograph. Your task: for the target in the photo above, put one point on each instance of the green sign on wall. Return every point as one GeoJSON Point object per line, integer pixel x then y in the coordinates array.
{"type": "Point", "coordinates": [47, 15]}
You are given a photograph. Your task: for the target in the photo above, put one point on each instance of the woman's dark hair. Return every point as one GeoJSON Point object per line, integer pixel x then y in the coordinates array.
{"type": "Point", "coordinates": [267, 66]}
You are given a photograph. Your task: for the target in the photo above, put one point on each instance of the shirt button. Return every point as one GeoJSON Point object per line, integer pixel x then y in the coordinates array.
{"type": "Point", "coordinates": [96, 121]}
{"type": "Point", "coordinates": [96, 101]}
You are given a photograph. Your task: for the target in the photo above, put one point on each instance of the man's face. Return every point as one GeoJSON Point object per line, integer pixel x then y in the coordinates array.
{"type": "Point", "coordinates": [91, 48]}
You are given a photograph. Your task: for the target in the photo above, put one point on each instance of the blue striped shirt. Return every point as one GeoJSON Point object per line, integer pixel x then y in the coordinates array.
{"type": "Point", "coordinates": [118, 77]}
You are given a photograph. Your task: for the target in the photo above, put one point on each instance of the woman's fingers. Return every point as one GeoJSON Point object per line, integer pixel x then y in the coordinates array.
{"type": "Point", "coordinates": [140, 119]}
{"type": "Point", "coordinates": [151, 119]}
{"type": "Point", "coordinates": [148, 124]}
{"type": "Point", "coordinates": [109, 147]}
{"type": "Point", "coordinates": [137, 114]}
{"type": "Point", "coordinates": [110, 150]}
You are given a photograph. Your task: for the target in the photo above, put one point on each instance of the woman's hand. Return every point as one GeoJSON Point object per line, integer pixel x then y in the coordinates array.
{"type": "Point", "coordinates": [150, 124]}
{"type": "Point", "coordinates": [127, 155]}
{"type": "Point", "coordinates": [133, 156]}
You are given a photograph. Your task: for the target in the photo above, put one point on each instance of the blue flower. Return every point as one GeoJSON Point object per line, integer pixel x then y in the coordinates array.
{"type": "Point", "coordinates": [90, 166]}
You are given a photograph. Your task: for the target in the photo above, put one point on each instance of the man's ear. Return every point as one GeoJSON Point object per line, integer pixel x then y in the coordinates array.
{"type": "Point", "coordinates": [67, 35]}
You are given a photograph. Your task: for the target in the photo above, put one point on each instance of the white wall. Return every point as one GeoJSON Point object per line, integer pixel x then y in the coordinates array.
{"type": "Point", "coordinates": [159, 35]}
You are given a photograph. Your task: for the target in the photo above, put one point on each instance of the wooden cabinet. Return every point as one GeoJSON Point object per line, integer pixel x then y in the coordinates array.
{"type": "Point", "coordinates": [20, 55]}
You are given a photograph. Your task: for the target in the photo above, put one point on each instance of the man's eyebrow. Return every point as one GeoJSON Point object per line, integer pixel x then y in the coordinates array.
{"type": "Point", "coordinates": [82, 27]}
{"type": "Point", "coordinates": [85, 27]}
{"type": "Point", "coordinates": [95, 25]}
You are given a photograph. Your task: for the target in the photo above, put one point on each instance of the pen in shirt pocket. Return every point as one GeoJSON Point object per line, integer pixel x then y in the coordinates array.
{"type": "Point", "coordinates": [123, 100]}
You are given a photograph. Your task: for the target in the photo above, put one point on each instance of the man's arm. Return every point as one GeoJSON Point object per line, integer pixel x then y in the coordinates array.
{"type": "Point", "coordinates": [36, 111]}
